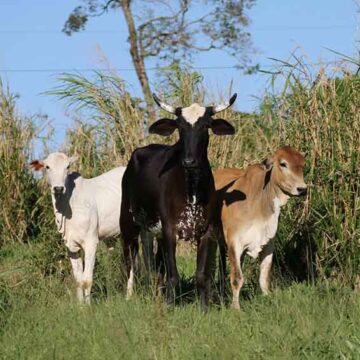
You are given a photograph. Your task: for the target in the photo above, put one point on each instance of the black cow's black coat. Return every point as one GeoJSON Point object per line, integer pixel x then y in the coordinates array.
{"type": "Point", "coordinates": [173, 186]}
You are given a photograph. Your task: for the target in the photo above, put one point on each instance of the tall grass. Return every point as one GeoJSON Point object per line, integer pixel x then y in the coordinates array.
{"type": "Point", "coordinates": [319, 115]}
{"type": "Point", "coordinates": [113, 121]}
{"type": "Point", "coordinates": [20, 215]}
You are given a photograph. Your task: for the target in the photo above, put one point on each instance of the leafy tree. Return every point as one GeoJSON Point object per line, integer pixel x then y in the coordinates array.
{"type": "Point", "coordinates": [173, 29]}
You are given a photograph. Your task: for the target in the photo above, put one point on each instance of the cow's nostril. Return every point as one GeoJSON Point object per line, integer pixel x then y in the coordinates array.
{"type": "Point", "coordinates": [58, 189]}
{"type": "Point", "coordinates": [188, 162]}
{"type": "Point", "coordinates": [302, 190]}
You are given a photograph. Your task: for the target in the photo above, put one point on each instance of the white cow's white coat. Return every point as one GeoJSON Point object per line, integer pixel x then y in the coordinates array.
{"type": "Point", "coordinates": [88, 211]}
{"type": "Point", "coordinates": [193, 112]}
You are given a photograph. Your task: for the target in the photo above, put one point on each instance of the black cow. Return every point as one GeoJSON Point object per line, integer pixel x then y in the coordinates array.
{"type": "Point", "coordinates": [171, 189]}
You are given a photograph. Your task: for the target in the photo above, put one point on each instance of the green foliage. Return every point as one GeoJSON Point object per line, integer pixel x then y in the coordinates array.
{"type": "Point", "coordinates": [76, 21]}
{"type": "Point", "coordinates": [181, 84]}
{"type": "Point", "coordinates": [321, 119]}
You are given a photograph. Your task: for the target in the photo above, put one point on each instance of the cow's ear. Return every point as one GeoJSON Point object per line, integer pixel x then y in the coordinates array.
{"type": "Point", "coordinates": [37, 165]}
{"type": "Point", "coordinates": [267, 163]}
{"type": "Point", "coordinates": [163, 127]}
{"type": "Point", "coordinates": [221, 127]}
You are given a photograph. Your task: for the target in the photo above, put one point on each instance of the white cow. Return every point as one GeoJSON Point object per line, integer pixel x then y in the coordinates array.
{"type": "Point", "coordinates": [86, 211]}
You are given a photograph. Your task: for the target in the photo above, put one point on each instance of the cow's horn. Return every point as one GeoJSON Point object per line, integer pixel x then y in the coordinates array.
{"type": "Point", "coordinates": [164, 106]}
{"type": "Point", "coordinates": [222, 107]}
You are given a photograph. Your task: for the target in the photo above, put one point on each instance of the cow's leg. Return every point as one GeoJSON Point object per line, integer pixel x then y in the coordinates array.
{"type": "Point", "coordinates": [77, 268]}
{"type": "Point", "coordinates": [160, 266]}
{"type": "Point", "coordinates": [89, 263]}
{"type": "Point", "coordinates": [206, 259]}
{"type": "Point", "coordinates": [222, 268]}
{"type": "Point", "coordinates": [130, 240]}
{"type": "Point", "coordinates": [236, 275]}
{"type": "Point", "coordinates": [130, 252]}
{"type": "Point", "coordinates": [147, 241]}
{"type": "Point", "coordinates": [130, 248]}
{"type": "Point", "coordinates": [266, 258]}
{"type": "Point", "coordinates": [172, 276]}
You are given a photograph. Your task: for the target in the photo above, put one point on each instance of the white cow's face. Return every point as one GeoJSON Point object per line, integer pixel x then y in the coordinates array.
{"type": "Point", "coordinates": [57, 167]}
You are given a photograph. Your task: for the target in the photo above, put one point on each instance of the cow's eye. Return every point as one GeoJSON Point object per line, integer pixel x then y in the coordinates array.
{"type": "Point", "coordinates": [283, 164]}
{"type": "Point", "coordinates": [47, 167]}
{"type": "Point", "coordinates": [67, 168]}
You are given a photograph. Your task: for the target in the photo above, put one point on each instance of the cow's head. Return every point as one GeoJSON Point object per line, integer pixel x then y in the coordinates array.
{"type": "Point", "coordinates": [287, 166]}
{"type": "Point", "coordinates": [193, 123]}
{"type": "Point", "coordinates": [57, 167]}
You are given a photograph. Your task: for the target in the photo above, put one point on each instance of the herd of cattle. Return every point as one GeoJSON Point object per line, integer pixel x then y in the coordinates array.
{"type": "Point", "coordinates": [170, 193]}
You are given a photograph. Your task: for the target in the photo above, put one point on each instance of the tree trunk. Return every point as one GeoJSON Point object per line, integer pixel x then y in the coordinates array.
{"type": "Point", "coordinates": [138, 60]}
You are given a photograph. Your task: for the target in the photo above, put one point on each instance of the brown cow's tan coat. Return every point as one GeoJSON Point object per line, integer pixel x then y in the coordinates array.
{"type": "Point", "coordinates": [249, 203]}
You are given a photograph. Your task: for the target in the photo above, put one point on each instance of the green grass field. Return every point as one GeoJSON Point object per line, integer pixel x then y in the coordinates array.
{"type": "Point", "coordinates": [40, 319]}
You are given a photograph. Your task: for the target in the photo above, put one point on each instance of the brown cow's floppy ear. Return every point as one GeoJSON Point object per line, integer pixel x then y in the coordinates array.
{"type": "Point", "coordinates": [36, 165]}
{"type": "Point", "coordinates": [163, 127]}
{"type": "Point", "coordinates": [222, 127]}
{"type": "Point", "coordinates": [267, 163]}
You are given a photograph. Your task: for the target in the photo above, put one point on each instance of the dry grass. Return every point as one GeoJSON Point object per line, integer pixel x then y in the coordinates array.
{"type": "Point", "coordinates": [17, 214]}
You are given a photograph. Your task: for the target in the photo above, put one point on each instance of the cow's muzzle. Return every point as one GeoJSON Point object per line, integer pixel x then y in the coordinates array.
{"type": "Point", "coordinates": [302, 191]}
{"type": "Point", "coordinates": [58, 190]}
{"type": "Point", "coordinates": [189, 163]}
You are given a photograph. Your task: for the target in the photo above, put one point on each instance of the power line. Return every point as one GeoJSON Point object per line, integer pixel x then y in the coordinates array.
{"type": "Point", "coordinates": [83, 70]}
{"type": "Point", "coordinates": [52, 32]}
{"type": "Point", "coordinates": [113, 31]}
{"type": "Point", "coordinates": [59, 70]}
{"type": "Point", "coordinates": [282, 28]}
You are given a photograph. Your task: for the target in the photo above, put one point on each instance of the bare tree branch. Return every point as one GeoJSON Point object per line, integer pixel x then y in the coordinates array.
{"type": "Point", "coordinates": [173, 29]}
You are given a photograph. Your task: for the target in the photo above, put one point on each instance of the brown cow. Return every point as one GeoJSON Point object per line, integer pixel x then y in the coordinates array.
{"type": "Point", "coordinates": [249, 202]}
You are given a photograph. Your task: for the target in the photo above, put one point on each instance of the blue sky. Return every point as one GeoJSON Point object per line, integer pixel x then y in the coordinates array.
{"type": "Point", "coordinates": [31, 39]}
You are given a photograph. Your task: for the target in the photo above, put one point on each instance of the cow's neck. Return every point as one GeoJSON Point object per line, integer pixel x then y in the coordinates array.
{"type": "Point", "coordinates": [273, 197]}
{"type": "Point", "coordinates": [62, 207]}
{"type": "Point", "coordinates": [196, 179]}
{"type": "Point", "coordinates": [197, 183]}
{"type": "Point", "coordinates": [59, 205]}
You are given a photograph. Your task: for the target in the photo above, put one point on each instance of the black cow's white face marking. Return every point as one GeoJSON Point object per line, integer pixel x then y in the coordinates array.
{"type": "Point", "coordinates": [193, 113]}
